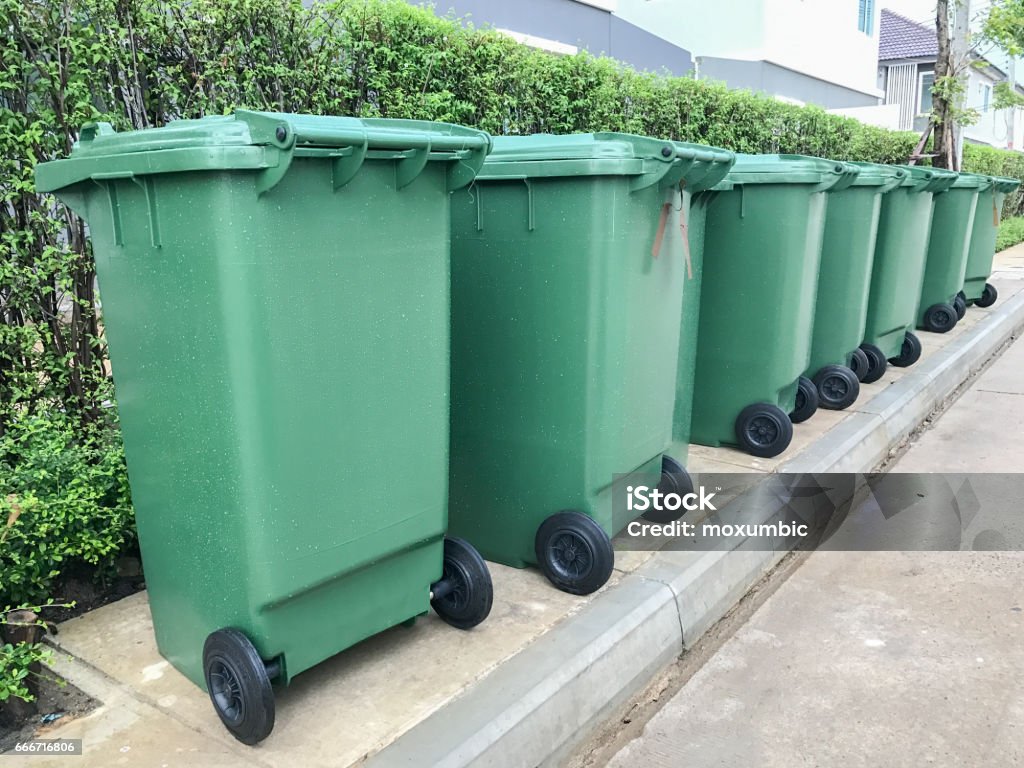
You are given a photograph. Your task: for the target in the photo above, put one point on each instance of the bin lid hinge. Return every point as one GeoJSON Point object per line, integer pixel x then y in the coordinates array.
{"type": "Point", "coordinates": [270, 176]}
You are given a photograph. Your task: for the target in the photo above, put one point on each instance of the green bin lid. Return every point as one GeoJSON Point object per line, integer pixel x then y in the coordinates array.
{"type": "Point", "coordinates": [878, 174]}
{"type": "Point", "coordinates": [924, 178]}
{"type": "Point", "coordinates": [604, 154]}
{"type": "Point", "coordinates": [1005, 184]}
{"type": "Point", "coordinates": [791, 169]}
{"type": "Point", "coordinates": [256, 141]}
{"type": "Point", "coordinates": [972, 181]}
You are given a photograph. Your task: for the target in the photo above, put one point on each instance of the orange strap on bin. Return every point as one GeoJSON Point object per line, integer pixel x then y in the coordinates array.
{"type": "Point", "coordinates": [661, 229]}
{"type": "Point", "coordinates": [683, 228]}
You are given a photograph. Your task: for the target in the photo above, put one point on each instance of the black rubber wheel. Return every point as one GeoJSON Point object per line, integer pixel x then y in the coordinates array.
{"type": "Point", "coordinates": [859, 363]}
{"type": "Point", "coordinates": [806, 401]}
{"type": "Point", "coordinates": [960, 305]}
{"type": "Point", "coordinates": [674, 479]}
{"type": "Point", "coordinates": [963, 297]}
{"type": "Point", "coordinates": [764, 430]}
{"type": "Point", "coordinates": [876, 363]}
{"type": "Point", "coordinates": [910, 352]}
{"type": "Point", "coordinates": [464, 595]}
{"type": "Point", "coordinates": [574, 552]}
{"type": "Point", "coordinates": [239, 686]}
{"type": "Point", "coordinates": [939, 318]}
{"type": "Point", "coordinates": [838, 387]}
{"type": "Point", "coordinates": [988, 296]}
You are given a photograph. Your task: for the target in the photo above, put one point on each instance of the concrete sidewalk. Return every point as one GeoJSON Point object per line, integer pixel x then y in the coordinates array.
{"type": "Point", "coordinates": [879, 658]}
{"type": "Point", "coordinates": [523, 687]}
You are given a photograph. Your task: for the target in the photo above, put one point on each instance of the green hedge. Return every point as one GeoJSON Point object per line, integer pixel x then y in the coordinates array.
{"type": "Point", "coordinates": [406, 62]}
{"type": "Point", "coordinates": [1011, 232]}
{"type": "Point", "coordinates": [998, 162]}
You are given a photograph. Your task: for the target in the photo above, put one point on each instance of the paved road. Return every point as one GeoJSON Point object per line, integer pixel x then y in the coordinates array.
{"type": "Point", "coordinates": [866, 658]}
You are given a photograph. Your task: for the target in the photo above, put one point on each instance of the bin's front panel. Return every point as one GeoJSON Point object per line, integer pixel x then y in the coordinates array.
{"type": "Point", "coordinates": [948, 246]}
{"type": "Point", "coordinates": [762, 248]}
{"type": "Point", "coordinates": [903, 232]}
{"type": "Point", "coordinates": [982, 247]}
{"type": "Point", "coordinates": [847, 254]}
{"type": "Point", "coordinates": [564, 338]}
{"type": "Point", "coordinates": [281, 370]}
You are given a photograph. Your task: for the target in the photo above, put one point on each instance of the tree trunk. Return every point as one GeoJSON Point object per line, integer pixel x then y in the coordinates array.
{"type": "Point", "coordinates": [942, 110]}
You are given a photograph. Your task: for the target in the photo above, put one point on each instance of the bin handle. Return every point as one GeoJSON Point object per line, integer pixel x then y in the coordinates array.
{"type": "Point", "coordinates": [684, 159]}
{"type": "Point", "coordinates": [280, 139]}
{"type": "Point", "coordinates": [898, 179]}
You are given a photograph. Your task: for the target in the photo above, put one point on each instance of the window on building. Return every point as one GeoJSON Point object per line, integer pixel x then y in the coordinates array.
{"type": "Point", "coordinates": [986, 96]}
{"type": "Point", "coordinates": [866, 16]}
{"type": "Point", "coordinates": [924, 91]}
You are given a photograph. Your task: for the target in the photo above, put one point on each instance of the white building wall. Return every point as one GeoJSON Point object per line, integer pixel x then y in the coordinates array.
{"type": "Point", "coordinates": [1000, 128]}
{"type": "Point", "coordinates": [819, 38]}
{"type": "Point", "coordinates": [883, 116]}
{"type": "Point", "coordinates": [728, 28]}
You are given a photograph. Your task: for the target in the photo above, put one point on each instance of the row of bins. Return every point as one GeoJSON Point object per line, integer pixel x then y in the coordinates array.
{"type": "Point", "coordinates": [353, 354]}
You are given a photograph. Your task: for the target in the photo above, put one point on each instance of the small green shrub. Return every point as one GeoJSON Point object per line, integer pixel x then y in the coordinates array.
{"type": "Point", "coordinates": [17, 659]}
{"type": "Point", "coordinates": [64, 500]}
{"type": "Point", "coordinates": [15, 663]}
{"type": "Point", "coordinates": [1011, 232]}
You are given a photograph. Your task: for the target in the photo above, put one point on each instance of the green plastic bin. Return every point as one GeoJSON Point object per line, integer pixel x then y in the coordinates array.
{"type": "Point", "coordinates": [844, 280]}
{"type": "Point", "coordinates": [982, 248]}
{"type": "Point", "coordinates": [275, 293]}
{"type": "Point", "coordinates": [762, 247]}
{"type": "Point", "coordinates": [900, 252]}
{"type": "Point", "coordinates": [952, 221]}
{"type": "Point", "coordinates": [568, 266]}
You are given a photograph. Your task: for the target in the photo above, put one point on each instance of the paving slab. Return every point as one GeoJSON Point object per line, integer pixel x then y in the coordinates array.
{"type": "Point", "coordinates": [851, 644]}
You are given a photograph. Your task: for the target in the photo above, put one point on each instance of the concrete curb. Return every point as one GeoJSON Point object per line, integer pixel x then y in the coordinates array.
{"type": "Point", "coordinates": [535, 708]}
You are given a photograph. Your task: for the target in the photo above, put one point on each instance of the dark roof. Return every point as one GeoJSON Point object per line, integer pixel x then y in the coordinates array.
{"type": "Point", "coordinates": [901, 38]}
